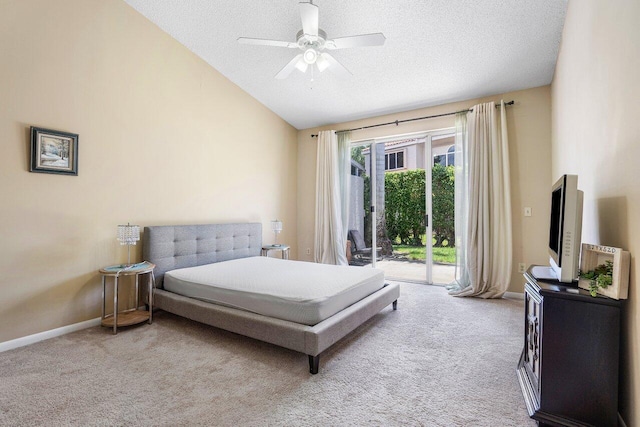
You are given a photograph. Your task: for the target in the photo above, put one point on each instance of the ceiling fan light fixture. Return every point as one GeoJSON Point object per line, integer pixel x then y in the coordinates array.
{"type": "Point", "coordinates": [302, 66]}
{"type": "Point", "coordinates": [322, 63]}
{"type": "Point", "coordinates": [310, 56]}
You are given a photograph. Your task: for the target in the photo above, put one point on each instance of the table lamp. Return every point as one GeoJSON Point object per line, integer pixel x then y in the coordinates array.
{"type": "Point", "coordinates": [128, 235]}
{"type": "Point", "coordinates": [276, 226]}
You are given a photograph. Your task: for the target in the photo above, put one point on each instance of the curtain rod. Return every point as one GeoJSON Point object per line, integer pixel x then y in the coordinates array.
{"type": "Point", "coordinates": [397, 122]}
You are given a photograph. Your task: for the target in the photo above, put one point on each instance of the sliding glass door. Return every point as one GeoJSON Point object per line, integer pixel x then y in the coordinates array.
{"type": "Point", "coordinates": [401, 217]}
{"type": "Point", "coordinates": [443, 208]}
{"type": "Point", "coordinates": [406, 225]}
{"type": "Point", "coordinates": [389, 207]}
{"type": "Point", "coordinates": [362, 220]}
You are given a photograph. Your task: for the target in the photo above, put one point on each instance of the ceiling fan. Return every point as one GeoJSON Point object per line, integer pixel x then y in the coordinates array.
{"type": "Point", "coordinates": [312, 41]}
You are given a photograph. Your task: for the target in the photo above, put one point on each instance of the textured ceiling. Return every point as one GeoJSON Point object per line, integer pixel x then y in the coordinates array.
{"type": "Point", "coordinates": [437, 51]}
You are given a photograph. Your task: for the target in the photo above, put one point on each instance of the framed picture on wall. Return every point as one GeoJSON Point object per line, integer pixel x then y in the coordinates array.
{"type": "Point", "coordinates": [54, 151]}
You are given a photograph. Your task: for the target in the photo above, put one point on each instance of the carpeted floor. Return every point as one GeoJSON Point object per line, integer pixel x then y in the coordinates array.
{"type": "Point", "coordinates": [437, 361]}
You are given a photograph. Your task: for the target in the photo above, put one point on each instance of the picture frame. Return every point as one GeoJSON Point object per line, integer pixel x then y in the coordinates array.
{"type": "Point", "coordinates": [53, 151]}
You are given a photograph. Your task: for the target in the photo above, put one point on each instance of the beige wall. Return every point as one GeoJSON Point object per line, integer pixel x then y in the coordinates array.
{"type": "Point", "coordinates": [529, 126]}
{"type": "Point", "coordinates": [164, 139]}
{"type": "Point", "coordinates": [596, 134]}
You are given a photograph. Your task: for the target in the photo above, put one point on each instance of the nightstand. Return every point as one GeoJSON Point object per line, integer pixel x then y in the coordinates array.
{"type": "Point", "coordinates": [283, 248]}
{"type": "Point", "coordinates": [130, 316]}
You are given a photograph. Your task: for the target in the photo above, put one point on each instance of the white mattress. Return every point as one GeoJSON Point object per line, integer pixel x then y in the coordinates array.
{"type": "Point", "coordinates": [301, 292]}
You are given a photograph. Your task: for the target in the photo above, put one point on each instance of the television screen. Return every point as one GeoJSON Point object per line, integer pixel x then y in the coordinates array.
{"type": "Point", "coordinates": [556, 222]}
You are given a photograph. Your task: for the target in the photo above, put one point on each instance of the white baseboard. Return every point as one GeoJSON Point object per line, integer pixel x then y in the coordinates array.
{"type": "Point", "coordinates": [513, 295]}
{"type": "Point", "coordinates": [41, 336]}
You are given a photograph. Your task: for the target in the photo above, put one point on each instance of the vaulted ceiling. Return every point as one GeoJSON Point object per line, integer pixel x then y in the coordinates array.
{"type": "Point", "coordinates": [436, 51]}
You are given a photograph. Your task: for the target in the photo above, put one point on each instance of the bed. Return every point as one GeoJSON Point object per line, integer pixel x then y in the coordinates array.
{"type": "Point", "coordinates": [196, 265]}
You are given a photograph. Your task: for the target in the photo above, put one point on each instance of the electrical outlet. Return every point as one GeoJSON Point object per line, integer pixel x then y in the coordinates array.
{"type": "Point", "coordinates": [308, 251]}
{"type": "Point", "coordinates": [527, 211]}
{"type": "Point", "coordinates": [522, 267]}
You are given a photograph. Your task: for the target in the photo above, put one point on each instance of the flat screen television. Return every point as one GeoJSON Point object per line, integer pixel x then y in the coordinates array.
{"type": "Point", "coordinates": [565, 232]}
{"type": "Point", "coordinates": [565, 228]}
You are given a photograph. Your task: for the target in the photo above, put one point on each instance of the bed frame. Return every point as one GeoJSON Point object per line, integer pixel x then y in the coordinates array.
{"type": "Point", "coordinates": [180, 246]}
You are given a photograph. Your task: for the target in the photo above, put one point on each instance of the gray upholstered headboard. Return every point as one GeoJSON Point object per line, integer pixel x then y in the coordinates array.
{"type": "Point", "coordinates": [179, 246]}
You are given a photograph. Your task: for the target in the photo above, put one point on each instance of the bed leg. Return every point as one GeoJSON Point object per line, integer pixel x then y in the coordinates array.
{"type": "Point", "coordinates": [395, 305]}
{"type": "Point", "coordinates": [314, 364]}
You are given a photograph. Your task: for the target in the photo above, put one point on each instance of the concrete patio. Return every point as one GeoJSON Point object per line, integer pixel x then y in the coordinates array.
{"type": "Point", "coordinates": [414, 271]}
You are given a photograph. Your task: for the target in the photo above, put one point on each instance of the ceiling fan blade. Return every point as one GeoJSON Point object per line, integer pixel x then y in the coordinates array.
{"type": "Point", "coordinates": [375, 39]}
{"type": "Point", "coordinates": [265, 42]}
{"type": "Point", "coordinates": [284, 73]}
{"type": "Point", "coordinates": [309, 17]}
{"type": "Point", "coordinates": [335, 66]}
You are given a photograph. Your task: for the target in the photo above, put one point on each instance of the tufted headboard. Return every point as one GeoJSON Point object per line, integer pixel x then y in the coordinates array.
{"type": "Point", "coordinates": [179, 246]}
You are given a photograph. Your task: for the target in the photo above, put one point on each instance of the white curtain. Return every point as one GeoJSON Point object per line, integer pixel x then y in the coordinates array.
{"type": "Point", "coordinates": [332, 197]}
{"type": "Point", "coordinates": [461, 163]}
{"type": "Point", "coordinates": [485, 202]}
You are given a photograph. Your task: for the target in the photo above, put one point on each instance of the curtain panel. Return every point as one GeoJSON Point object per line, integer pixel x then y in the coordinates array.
{"type": "Point", "coordinates": [483, 196]}
{"type": "Point", "coordinates": [332, 198]}
{"type": "Point", "coordinates": [461, 201]}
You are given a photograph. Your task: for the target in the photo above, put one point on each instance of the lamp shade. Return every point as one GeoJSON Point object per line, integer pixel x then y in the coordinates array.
{"type": "Point", "coordinates": [128, 234]}
{"type": "Point", "coordinates": [276, 226]}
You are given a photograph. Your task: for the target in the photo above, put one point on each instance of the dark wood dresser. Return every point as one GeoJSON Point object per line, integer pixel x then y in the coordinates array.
{"type": "Point", "coordinates": [568, 370]}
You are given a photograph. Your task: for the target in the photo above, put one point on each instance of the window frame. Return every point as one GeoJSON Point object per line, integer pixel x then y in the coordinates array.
{"type": "Point", "coordinates": [450, 152]}
{"type": "Point", "coordinates": [387, 155]}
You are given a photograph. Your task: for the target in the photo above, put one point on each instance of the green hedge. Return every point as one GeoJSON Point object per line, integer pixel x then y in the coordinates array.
{"type": "Point", "coordinates": [443, 209]}
{"type": "Point", "coordinates": [405, 205]}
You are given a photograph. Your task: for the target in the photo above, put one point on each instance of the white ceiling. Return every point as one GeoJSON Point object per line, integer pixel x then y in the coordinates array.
{"type": "Point", "coordinates": [437, 51]}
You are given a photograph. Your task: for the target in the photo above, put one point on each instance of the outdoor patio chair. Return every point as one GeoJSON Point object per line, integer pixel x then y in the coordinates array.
{"type": "Point", "coordinates": [358, 246]}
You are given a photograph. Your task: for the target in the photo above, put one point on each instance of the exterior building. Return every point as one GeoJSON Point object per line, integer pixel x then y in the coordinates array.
{"type": "Point", "coordinates": [408, 154]}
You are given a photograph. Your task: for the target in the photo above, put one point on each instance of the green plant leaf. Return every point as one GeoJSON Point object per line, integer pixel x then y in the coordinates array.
{"type": "Point", "coordinates": [599, 277]}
